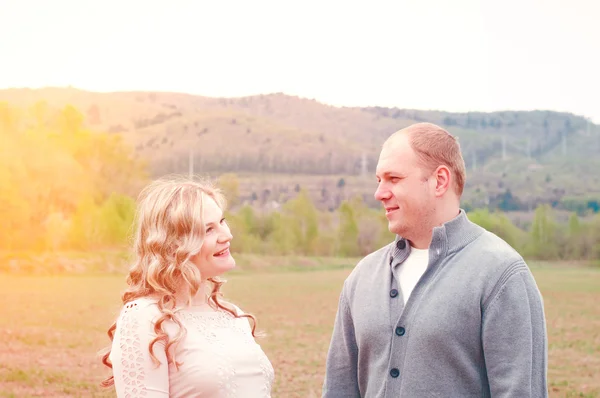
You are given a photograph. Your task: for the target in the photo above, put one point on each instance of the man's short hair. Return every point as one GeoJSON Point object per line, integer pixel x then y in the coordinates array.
{"type": "Point", "coordinates": [435, 147]}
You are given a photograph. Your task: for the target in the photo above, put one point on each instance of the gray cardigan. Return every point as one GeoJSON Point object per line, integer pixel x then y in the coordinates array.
{"type": "Point", "coordinates": [474, 325]}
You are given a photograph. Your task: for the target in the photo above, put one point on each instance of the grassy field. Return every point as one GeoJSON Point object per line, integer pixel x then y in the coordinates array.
{"type": "Point", "coordinates": [53, 326]}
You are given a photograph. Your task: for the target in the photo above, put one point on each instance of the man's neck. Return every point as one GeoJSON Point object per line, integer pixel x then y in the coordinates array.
{"type": "Point", "coordinates": [423, 241]}
{"type": "Point", "coordinates": [446, 211]}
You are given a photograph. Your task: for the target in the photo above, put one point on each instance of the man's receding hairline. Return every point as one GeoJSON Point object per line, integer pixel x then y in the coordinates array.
{"type": "Point", "coordinates": [395, 135]}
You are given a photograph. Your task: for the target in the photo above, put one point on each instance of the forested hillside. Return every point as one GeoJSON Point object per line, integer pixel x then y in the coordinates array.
{"type": "Point", "coordinates": [515, 160]}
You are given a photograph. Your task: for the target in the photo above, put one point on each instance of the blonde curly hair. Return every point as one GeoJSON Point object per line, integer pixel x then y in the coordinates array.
{"type": "Point", "coordinates": [169, 232]}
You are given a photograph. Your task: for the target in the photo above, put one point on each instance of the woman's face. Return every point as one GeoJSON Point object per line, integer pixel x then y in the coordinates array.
{"type": "Point", "coordinates": [214, 258]}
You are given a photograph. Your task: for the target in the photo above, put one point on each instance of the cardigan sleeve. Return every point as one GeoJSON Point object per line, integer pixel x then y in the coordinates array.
{"type": "Point", "coordinates": [514, 338]}
{"type": "Point", "coordinates": [341, 374]}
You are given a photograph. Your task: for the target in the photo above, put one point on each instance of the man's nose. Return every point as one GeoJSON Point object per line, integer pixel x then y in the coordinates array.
{"type": "Point", "coordinates": [382, 193]}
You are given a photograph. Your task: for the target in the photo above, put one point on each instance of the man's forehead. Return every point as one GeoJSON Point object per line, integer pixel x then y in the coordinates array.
{"type": "Point", "coordinates": [398, 140]}
{"type": "Point", "coordinates": [398, 149]}
{"type": "Point", "coordinates": [389, 162]}
{"type": "Point", "coordinates": [395, 154]}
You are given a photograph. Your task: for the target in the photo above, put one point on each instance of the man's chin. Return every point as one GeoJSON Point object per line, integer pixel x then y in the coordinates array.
{"type": "Point", "coordinates": [394, 228]}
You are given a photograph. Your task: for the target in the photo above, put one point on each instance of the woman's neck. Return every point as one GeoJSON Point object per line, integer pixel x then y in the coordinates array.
{"type": "Point", "coordinates": [200, 299]}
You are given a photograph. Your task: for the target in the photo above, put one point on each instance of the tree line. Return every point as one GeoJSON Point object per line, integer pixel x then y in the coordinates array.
{"type": "Point", "coordinates": [64, 187]}
{"type": "Point", "coordinates": [356, 230]}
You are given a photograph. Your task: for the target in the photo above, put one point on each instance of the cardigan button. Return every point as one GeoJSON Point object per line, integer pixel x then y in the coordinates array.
{"type": "Point", "coordinates": [393, 293]}
{"type": "Point", "coordinates": [394, 373]}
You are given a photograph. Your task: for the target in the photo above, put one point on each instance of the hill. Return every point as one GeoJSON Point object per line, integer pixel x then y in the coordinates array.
{"type": "Point", "coordinates": [275, 142]}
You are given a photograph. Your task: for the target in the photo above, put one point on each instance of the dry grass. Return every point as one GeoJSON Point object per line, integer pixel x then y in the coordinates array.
{"type": "Point", "coordinates": [53, 326]}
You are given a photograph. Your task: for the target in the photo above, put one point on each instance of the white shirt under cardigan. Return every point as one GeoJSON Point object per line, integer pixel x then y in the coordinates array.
{"type": "Point", "coordinates": [411, 270]}
{"type": "Point", "coordinates": [219, 356]}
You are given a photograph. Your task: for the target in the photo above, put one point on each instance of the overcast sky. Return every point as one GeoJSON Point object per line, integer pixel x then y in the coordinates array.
{"type": "Point", "coordinates": [455, 55]}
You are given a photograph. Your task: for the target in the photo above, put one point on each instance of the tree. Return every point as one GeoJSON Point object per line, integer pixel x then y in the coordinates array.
{"type": "Point", "coordinates": [543, 234]}
{"type": "Point", "coordinates": [283, 240]}
{"type": "Point", "coordinates": [243, 225]}
{"type": "Point", "coordinates": [347, 231]}
{"type": "Point", "coordinates": [500, 225]}
{"type": "Point", "coordinates": [230, 185]}
{"type": "Point", "coordinates": [303, 221]}
{"type": "Point", "coordinates": [575, 242]}
{"type": "Point", "coordinates": [61, 185]}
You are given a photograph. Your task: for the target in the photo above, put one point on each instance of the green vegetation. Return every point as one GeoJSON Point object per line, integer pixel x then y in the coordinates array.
{"type": "Point", "coordinates": [515, 160]}
{"type": "Point", "coordinates": [64, 187]}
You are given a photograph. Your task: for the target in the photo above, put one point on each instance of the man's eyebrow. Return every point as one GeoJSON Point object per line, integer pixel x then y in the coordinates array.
{"type": "Point", "coordinates": [389, 173]}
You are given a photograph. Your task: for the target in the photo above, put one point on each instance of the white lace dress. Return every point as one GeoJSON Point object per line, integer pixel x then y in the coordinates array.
{"type": "Point", "coordinates": [220, 357]}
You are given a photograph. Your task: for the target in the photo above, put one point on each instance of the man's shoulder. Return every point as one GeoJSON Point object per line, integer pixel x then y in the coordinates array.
{"type": "Point", "coordinates": [495, 254]}
{"type": "Point", "coordinates": [490, 243]}
{"type": "Point", "coordinates": [377, 257]}
{"type": "Point", "coordinates": [370, 263]}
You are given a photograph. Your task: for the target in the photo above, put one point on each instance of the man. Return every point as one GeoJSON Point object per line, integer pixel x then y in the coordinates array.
{"type": "Point", "coordinates": [446, 310]}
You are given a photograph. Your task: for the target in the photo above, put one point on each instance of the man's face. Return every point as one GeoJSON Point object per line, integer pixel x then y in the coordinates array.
{"type": "Point", "coordinates": [405, 189]}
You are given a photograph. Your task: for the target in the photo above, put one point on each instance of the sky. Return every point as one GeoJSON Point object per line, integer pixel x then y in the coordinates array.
{"type": "Point", "coordinates": [452, 55]}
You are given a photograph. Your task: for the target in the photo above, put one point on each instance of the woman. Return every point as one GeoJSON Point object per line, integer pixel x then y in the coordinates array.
{"type": "Point", "coordinates": [174, 337]}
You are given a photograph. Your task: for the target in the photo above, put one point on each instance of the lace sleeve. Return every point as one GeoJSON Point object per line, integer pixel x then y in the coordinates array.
{"type": "Point", "coordinates": [135, 373]}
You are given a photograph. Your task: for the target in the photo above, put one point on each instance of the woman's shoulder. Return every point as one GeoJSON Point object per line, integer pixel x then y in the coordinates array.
{"type": "Point", "coordinates": [236, 309]}
{"type": "Point", "coordinates": [240, 319]}
{"type": "Point", "coordinates": [140, 308]}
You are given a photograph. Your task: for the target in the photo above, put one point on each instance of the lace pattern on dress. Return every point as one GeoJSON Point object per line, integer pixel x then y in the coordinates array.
{"type": "Point", "coordinates": [133, 356]}
{"type": "Point", "coordinates": [212, 326]}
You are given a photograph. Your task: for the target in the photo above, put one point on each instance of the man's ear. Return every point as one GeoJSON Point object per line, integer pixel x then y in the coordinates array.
{"type": "Point", "coordinates": [443, 178]}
